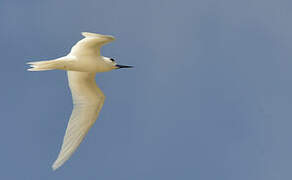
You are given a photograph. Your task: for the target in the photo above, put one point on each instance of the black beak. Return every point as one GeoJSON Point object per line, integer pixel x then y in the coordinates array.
{"type": "Point", "coordinates": [123, 66]}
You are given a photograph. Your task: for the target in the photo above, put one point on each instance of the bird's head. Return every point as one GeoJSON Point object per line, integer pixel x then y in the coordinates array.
{"type": "Point", "coordinates": [114, 65]}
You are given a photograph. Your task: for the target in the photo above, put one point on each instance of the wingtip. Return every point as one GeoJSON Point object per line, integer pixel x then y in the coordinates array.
{"type": "Point", "coordinates": [54, 168]}
{"type": "Point", "coordinates": [56, 165]}
{"type": "Point", "coordinates": [89, 34]}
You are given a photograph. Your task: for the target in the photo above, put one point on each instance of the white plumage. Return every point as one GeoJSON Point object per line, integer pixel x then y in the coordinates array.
{"type": "Point", "coordinates": [82, 63]}
{"type": "Point", "coordinates": [87, 102]}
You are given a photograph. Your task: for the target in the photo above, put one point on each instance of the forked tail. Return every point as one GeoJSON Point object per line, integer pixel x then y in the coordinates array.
{"type": "Point", "coordinates": [45, 65]}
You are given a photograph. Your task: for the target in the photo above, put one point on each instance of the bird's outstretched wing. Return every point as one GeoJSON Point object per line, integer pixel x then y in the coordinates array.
{"type": "Point", "coordinates": [91, 44]}
{"type": "Point", "coordinates": [87, 101]}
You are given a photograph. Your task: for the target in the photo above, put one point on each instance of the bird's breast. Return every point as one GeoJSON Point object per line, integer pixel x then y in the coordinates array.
{"type": "Point", "coordinates": [89, 64]}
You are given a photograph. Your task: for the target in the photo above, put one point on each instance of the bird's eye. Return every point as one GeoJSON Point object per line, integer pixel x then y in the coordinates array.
{"type": "Point", "coordinates": [112, 59]}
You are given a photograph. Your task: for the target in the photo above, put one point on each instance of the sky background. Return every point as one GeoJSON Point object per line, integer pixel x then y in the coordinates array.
{"type": "Point", "coordinates": [210, 97]}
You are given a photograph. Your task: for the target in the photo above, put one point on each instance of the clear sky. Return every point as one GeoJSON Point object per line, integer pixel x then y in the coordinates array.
{"type": "Point", "coordinates": [210, 97]}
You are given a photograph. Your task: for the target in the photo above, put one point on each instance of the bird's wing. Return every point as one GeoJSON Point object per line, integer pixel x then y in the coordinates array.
{"type": "Point", "coordinates": [91, 44]}
{"type": "Point", "coordinates": [87, 102]}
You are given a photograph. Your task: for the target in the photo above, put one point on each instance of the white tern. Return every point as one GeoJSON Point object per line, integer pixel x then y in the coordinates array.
{"type": "Point", "coordinates": [81, 64]}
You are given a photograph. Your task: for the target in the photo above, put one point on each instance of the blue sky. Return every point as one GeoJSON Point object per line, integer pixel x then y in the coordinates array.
{"type": "Point", "coordinates": [209, 97]}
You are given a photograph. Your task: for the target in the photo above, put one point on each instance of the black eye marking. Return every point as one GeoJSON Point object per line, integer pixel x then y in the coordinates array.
{"type": "Point", "coordinates": [112, 59]}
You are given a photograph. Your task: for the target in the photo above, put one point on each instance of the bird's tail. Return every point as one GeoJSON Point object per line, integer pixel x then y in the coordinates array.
{"type": "Point", "coordinates": [45, 65]}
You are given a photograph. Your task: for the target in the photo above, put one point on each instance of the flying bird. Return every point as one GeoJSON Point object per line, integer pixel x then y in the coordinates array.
{"type": "Point", "coordinates": [81, 64]}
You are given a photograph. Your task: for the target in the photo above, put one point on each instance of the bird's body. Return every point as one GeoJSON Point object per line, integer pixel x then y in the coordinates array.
{"type": "Point", "coordinates": [81, 64]}
{"type": "Point", "coordinates": [74, 63]}
{"type": "Point", "coordinates": [84, 56]}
